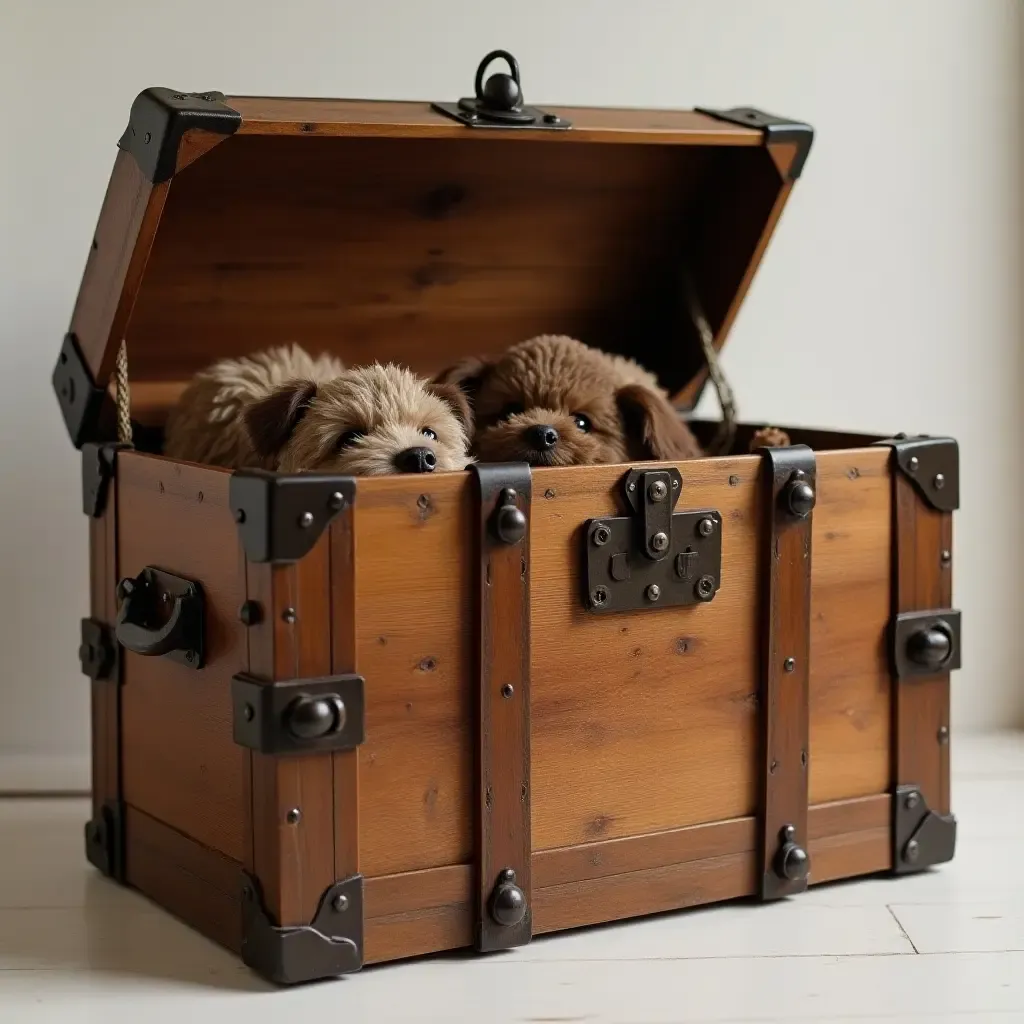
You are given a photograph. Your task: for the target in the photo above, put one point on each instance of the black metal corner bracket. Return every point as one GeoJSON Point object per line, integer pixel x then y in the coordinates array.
{"type": "Point", "coordinates": [331, 945]}
{"type": "Point", "coordinates": [776, 131]}
{"type": "Point", "coordinates": [921, 837]}
{"type": "Point", "coordinates": [97, 652]}
{"type": "Point", "coordinates": [925, 643]}
{"type": "Point", "coordinates": [104, 841]}
{"type": "Point", "coordinates": [160, 117]}
{"type": "Point", "coordinates": [654, 558]}
{"type": "Point", "coordinates": [298, 716]}
{"type": "Point", "coordinates": [932, 465]}
{"type": "Point", "coordinates": [281, 517]}
{"type": "Point", "coordinates": [81, 401]}
{"type": "Point", "coordinates": [498, 103]}
{"type": "Point", "coordinates": [99, 463]}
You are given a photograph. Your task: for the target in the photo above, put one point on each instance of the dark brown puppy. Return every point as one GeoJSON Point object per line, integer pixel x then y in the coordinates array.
{"type": "Point", "coordinates": [553, 401]}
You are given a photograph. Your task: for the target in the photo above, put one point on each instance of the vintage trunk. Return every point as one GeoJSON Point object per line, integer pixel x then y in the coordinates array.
{"type": "Point", "coordinates": [339, 721]}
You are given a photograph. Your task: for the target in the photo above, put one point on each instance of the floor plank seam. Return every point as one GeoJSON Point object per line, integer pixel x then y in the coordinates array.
{"type": "Point", "coordinates": [899, 924]}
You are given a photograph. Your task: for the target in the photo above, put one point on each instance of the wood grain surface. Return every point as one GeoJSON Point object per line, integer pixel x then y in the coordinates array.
{"type": "Point", "coordinates": [180, 763]}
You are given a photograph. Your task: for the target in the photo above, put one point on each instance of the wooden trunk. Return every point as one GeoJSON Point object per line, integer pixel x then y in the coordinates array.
{"type": "Point", "coordinates": [399, 723]}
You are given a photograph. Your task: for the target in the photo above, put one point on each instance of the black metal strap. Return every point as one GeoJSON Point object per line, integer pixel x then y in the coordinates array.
{"type": "Point", "coordinates": [504, 849]}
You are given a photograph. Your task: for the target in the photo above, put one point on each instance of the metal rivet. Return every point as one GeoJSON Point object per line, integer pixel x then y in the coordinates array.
{"type": "Point", "coordinates": [249, 712]}
{"type": "Point", "coordinates": [250, 613]}
{"type": "Point", "coordinates": [631, 487]}
{"type": "Point", "coordinates": [190, 656]}
{"type": "Point", "coordinates": [943, 735]}
{"type": "Point", "coordinates": [598, 596]}
{"type": "Point", "coordinates": [734, 481]}
{"type": "Point", "coordinates": [507, 690]}
{"type": "Point", "coordinates": [306, 520]}
{"type": "Point", "coordinates": [946, 557]}
{"type": "Point", "coordinates": [288, 615]}
{"type": "Point", "coordinates": [423, 501]}
{"type": "Point", "coordinates": [939, 481]}
{"type": "Point", "coordinates": [340, 903]}
{"type": "Point", "coordinates": [659, 542]}
{"type": "Point", "coordinates": [913, 464]}
{"type": "Point", "coordinates": [602, 535]}
{"type": "Point", "coordinates": [706, 588]}
{"type": "Point", "coordinates": [294, 816]}
{"type": "Point", "coordinates": [653, 592]}
{"type": "Point", "coordinates": [706, 527]}
{"type": "Point", "coordinates": [787, 833]}
{"type": "Point", "coordinates": [551, 119]}
{"type": "Point", "coordinates": [657, 490]}
{"type": "Point", "coordinates": [911, 851]}
{"type": "Point", "coordinates": [803, 758]}
{"type": "Point", "coordinates": [675, 484]}
{"type": "Point", "coordinates": [336, 500]}
{"type": "Point", "coordinates": [239, 515]}
{"type": "Point", "coordinates": [789, 664]}
{"type": "Point", "coordinates": [549, 493]}
{"type": "Point", "coordinates": [772, 767]}
{"type": "Point", "coordinates": [912, 801]}
{"type": "Point", "coordinates": [148, 138]}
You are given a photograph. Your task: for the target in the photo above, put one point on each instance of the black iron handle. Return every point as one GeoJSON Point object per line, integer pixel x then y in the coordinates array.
{"type": "Point", "coordinates": [180, 636]}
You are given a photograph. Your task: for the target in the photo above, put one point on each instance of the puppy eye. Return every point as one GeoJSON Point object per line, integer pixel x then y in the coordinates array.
{"type": "Point", "coordinates": [348, 438]}
{"type": "Point", "coordinates": [512, 409]}
{"type": "Point", "coordinates": [582, 422]}
{"type": "Point", "coordinates": [427, 432]}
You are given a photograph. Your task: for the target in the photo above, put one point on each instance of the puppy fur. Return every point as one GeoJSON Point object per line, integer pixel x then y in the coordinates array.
{"type": "Point", "coordinates": [283, 410]}
{"type": "Point", "coordinates": [603, 408]}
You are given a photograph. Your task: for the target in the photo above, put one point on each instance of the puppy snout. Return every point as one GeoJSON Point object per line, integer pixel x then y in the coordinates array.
{"type": "Point", "coordinates": [540, 437]}
{"type": "Point", "coordinates": [416, 460]}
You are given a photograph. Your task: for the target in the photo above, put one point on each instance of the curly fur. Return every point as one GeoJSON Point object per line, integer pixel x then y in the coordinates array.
{"type": "Point", "coordinates": [281, 409]}
{"type": "Point", "coordinates": [550, 380]}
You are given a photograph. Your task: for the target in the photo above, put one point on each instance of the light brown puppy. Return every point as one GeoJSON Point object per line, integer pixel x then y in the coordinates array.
{"type": "Point", "coordinates": [553, 401]}
{"type": "Point", "coordinates": [283, 410]}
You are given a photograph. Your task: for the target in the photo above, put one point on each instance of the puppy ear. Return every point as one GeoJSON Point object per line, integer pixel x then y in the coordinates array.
{"type": "Point", "coordinates": [468, 374]}
{"type": "Point", "coordinates": [272, 420]}
{"type": "Point", "coordinates": [455, 398]}
{"type": "Point", "coordinates": [653, 428]}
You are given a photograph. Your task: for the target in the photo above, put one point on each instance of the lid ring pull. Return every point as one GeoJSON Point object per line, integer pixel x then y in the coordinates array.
{"type": "Point", "coordinates": [502, 92]}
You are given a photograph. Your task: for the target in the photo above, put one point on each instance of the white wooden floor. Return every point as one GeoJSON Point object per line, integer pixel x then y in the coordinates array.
{"type": "Point", "coordinates": [944, 946]}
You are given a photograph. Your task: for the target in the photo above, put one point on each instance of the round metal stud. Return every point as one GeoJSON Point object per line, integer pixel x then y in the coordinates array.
{"type": "Point", "coordinates": [913, 464]}
{"type": "Point", "coordinates": [340, 903]}
{"type": "Point", "coordinates": [913, 799]}
{"type": "Point", "coordinates": [598, 596]}
{"type": "Point", "coordinates": [930, 648]}
{"type": "Point", "coordinates": [306, 520]}
{"type": "Point", "coordinates": [509, 522]}
{"type": "Point", "coordinates": [601, 535]}
{"type": "Point", "coordinates": [911, 851]}
{"type": "Point", "coordinates": [248, 712]}
{"type": "Point", "coordinates": [946, 557]}
{"type": "Point", "coordinates": [794, 864]}
{"type": "Point", "coordinates": [289, 615]}
{"type": "Point", "coordinates": [250, 613]}
{"type": "Point", "coordinates": [705, 588]}
{"type": "Point", "coordinates": [653, 592]}
{"type": "Point", "coordinates": [508, 904]}
{"type": "Point", "coordinates": [943, 735]}
{"type": "Point", "coordinates": [309, 718]}
{"type": "Point", "coordinates": [799, 496]}
{"type": "Point", "coordinates": [939, 482]}
{"type": "Point", "coordinates": [336, 501]}
{"type": "Point", "coordinates": [659, 542]}
{"type": "Point", "coordinates": [507, 690]}
{"type": "Point", "coordinates": [706, 527]}
{"type": "Point", "coordinates": [239, 515]}
{"type": "Point", "coordinates": [657, 491]}
{"type": "Point", "coordinates": [294, 816]}
{"type": "Point", "coordinates": [789, 664]}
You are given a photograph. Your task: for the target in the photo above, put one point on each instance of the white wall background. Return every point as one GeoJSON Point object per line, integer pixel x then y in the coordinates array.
{"type": "Point", "coordinates": [889, 300]}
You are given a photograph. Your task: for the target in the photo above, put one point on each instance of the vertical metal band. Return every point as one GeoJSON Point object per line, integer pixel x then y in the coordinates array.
{"type": "Point", "coordinates": [789, 496]}
{"type": "Point", "coordinates": [503, 884]}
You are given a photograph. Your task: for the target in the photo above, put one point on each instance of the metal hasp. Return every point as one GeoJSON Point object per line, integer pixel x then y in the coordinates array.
{"type": "Point", "coordinates": [99, 463]}
{"type": "Point", "coordinates": [788, 494]}
{"type": "Point", "coordinates": [281, 517]}
{"type": "Point", "coordinates": [925, 643]}
{"type": "Point", "coordinates": [777, 131]}
{"type": "Point", "coordinates": [654, 558]}
{"type": "Point", "coordinates": [162, 615]}
{"type": "Point", "coordinates": [97, 652]}
{"type": "Point", "coordinates": [331, 945]}
{"type": "Point", "coordinates": [921, 837]}
{"type": "Point", "coordinates": [84, 406]}
{"type": "Point", "coordinates": [503, 915]}
{"type": "Point", "coordinates": [498, 102]}
{"type": "Point", "coordinates": [104, 841]}
{"type": "Point", "coordinates": [160, 117]}
{"type": "Point", "coordinates": [298, 716]}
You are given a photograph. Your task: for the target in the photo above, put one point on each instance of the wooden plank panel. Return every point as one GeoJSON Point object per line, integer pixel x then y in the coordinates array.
{"type": "Point", "coordinates": [785, 668]}
{"type": "Point", "coordinates": [293, 797]}
{"type": "Point", "coordinates": [660, 702]}
{"type": "Point", "coordinates": [503, 704]}
{"type": "Point", "coordinates": [180, 763]}
{"type": "Point", "coordinates": [921, 705]}
{"type": "Point", "coordinates": [851, 602]}
{"type": "Point", "coordinates": [104, 698]}
{"type": "Point", "coordinates": [415, 639]}
{"type": "Point", "coordinates": [196, 884]}
{"type": "Point", "coordinates": [124, 235]}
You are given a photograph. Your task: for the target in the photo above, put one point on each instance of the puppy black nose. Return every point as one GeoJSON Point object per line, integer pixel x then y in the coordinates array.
{"type": "Point", "coordinates": [541, 438]}
{"type": "Point", "coordinates": [416, 460]}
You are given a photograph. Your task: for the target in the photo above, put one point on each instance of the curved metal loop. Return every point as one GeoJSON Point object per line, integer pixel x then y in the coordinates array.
{"type": "Point", "coordinates": [513, 66]}
{"type": "Point", "coordinates": [180, 636]}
